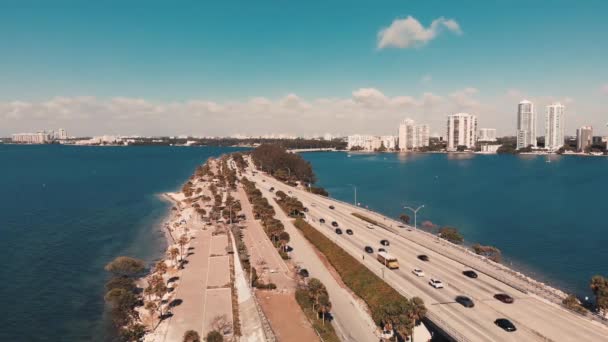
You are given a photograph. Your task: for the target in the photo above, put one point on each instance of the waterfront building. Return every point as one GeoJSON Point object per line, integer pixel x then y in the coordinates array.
{"type": "Point", "coordinates": [62, 134]}
{"type": "Point", "coordinates": [554, 127]}
{"type": "Point", "coordinates": [488, 148]}
{"type": "Point", "coordinates": [487, 135]}
{"type": "Point", "coordinates": [32, 138]}
{"type": "Point", "coordinates": [412, 136]}
{"type": "Point", "coordinates": [461, 131]}
{"type": "Point", "coordinates": [389, 141]}
{"type": "Point", "coordinates": [526, 124]}
{"type": "Point", "coordinates": [584, 138]}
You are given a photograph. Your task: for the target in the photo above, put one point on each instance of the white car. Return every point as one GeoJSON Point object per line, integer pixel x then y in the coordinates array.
{"type": "Point", "coordinates": [370, 226]}
{"type": "Point", "coordinates": [436, 283]}
{"type": "Point", "coordinates": [418, 272]}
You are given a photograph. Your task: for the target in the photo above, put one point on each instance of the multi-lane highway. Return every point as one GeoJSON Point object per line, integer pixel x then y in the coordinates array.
{"type": "Point", "coordinates": [536, 319]}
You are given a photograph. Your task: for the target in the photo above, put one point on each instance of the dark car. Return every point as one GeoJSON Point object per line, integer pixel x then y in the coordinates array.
{"type": "Point", "coordinates": [322, 220]}
{"type": "Point", "coordinates": [332, 207]}
{"type": "Point", "coordinates": [470, 274]}
{"type": "Point", "coordinates": [338, 231]}
{"type": "Point", "coordinates": [503, 297]}
{"type": "Point", "coordinates": [381, 250]}
{"type": "Point", "coordinates": [384, 242]}
{"type": "Point", "coordinates": [423, 257]}
{"type": "Point", "coordinates": [465, 301]}
{"type": "Point", "coordinates": [272, 189]}
{"type": "Point", "coordinates": [505, 324]}
{"type": "Point", "coordinates": [304, 272]}
{"type": "Point", "coordinates": [334, 223]}
{"type": "Point", "coordinates": [349, 231]}
{"type": "Point", "coordinates": [368, 249]}
{"type": "Point", "coordinates": [305, 209]}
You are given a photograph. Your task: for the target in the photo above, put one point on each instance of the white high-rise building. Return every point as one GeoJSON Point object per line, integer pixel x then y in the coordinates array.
{"type": "Point", "coordinates": [555, 127]}
{"type": "Point", "coordinates": [462, 131]}
{"type": "Point", "coordinates": [405, 133]}
{"type": "Point", "coordinates": [412, 136]}
{"type": "Point", "coordinates": [389, 141]}
{"type": "Point", "coordinates": [526, 124]}
{"type": "Point", "coordinates": [487, 134]}
{"type": "Point", "coordinates": [584, 138]}
{"type": "Point", "coordinates": [62, 134]}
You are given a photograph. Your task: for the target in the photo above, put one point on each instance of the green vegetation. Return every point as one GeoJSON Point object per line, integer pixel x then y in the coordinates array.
{"type": "Point", "coordinates": [451, 234]}
{"type": "Point", "coordinates": [388, 307]}
{"type": "Point", "coordinates": [214, 336]}
{"type": "Point", "coordinates": [314, 301]}
{"type": "Point", "coordinates": [572, 303]}
{"type": "Point", "coordinates": [489, 252]}
{"type": "Point", "coordinates": [599, 286]}
{"type": "Point", "coordinates": [191, 336]}
{"type": "Point", "coordinates": [121, 296]}
{"type": "Point", "coordinates": [405, 218]}
{"type": "Point", "coordinates": [366, 219]}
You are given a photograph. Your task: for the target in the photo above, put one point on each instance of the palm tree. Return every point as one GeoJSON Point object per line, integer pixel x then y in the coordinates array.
{"type": "Point", "coordinates": [174, 252]}
{"type": "Point", "coordinates": [324, 304]}
{"type": "Point", "coordinates": [160, 267]}
{"type": "Point", "coordinates": [315, 290]}
{"type": "Point", "coordinates": [417, 311]}
{"type": "Point", "coordinates": [183, 240]}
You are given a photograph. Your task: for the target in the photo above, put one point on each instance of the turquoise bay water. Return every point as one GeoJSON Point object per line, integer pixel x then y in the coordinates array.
{"type": "Point", "coordinates": [65, 212]}
{"type": "Point", "coordinates": [549, 219]}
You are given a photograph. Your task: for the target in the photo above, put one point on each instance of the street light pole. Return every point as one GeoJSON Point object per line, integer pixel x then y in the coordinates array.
{"type": "Point", "coordinates": [415, 212]}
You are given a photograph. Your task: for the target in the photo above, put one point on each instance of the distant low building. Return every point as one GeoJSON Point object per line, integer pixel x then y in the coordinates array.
{"type": "Point", "coordinates": [487, 135]}
{"type": "Point", "coordinates": [487, 148]}
{"type": "Point", "coordinates": [32, 138]}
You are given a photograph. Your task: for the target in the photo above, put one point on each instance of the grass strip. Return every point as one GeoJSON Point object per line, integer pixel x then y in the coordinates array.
{"type": "Point", "coordinates": [367, 219]}
{"type": "Point", "coordinates": [364, 283]}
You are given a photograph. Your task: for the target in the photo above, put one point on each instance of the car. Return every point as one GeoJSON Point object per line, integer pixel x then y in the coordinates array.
{"type": "Point", "coordinates": [289, 192]}
{"type": "Point", "coordinates": [263, 180]}
{"type": "Point", "coordinates": [349, 231]}
{"type": "Point", "coordinates": [423, 257]}
{"type": "Point", "coordinates": [505, 298]}
{"type": "Point", "coordinates": [381, 250]}
{"type": "Point", "coordinates": [332, 207]}
{"type": "Point", "coordinates": [465, 301]}
{"type": "Point", "coordinates": [401, 226]}
{"type": "Point", "coordinates": [368, 249]}
{"type": "Point", "coordinates": [436, 283]}
{"type": "Point", "coordinates": [272, 189]}
{"type": "Point", "coordinates": [313, 205]}
{"type": "Point", "coordinates": [505, 324]}
{"type": "Point", "coordinates": [384, 242]}
{"type": "Point", "coordinates": [305, 209]}
{"type": "Point", "coordinates": [338, 231]}
{"type": "Point", "coordinates": [334, 223]}
{"type": "Point", "coordinates": [418, 272]}
{"type": "Point", "coordinates": [303, 273]}
{"type": "Point", "coordinates": [322, 220]}
{"type": "Point", "coordinates": [370, 226]}
{"type": "Point", "coordinates": [470, 274]}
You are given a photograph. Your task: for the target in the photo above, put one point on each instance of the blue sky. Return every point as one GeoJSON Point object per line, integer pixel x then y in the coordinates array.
{"type": "Point", "coordinates": [230, 52]}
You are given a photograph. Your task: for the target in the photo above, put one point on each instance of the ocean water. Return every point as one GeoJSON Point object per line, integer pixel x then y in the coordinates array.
{"type": "Point", "coordinates": [66, 211]}
{"type": "Point", "coordinates": [548, 218]}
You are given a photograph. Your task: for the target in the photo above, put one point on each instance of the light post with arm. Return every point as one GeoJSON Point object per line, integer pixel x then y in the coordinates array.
{"type": "Point", "coordinates": [415, 211]}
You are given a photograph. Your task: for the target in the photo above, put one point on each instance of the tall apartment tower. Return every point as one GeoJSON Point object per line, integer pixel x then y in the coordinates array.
{"type": "Point", "coordinates": [405, 134]}
{"type": "Point", "coordinates": [462, 131]}
{"type": "Point", "coordinates": [526, 124]}
{"type": "Point", "coordinates": [555, 127]}
{"type": "Point", "coordinates": [584, 138]}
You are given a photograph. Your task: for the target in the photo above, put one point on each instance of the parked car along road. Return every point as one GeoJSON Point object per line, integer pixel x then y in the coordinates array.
{"type": "Point", "coordinates": [505, 324]}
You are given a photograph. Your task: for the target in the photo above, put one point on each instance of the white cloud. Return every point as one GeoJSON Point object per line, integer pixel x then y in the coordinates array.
{"type": "Point", "coordinates": [366, 110]}
{"type": "Point", "coordinates": [409, 32]}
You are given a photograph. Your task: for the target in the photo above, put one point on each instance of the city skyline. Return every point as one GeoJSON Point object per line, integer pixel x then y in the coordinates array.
{"type": "Point", "coordinates": [178, 70]}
